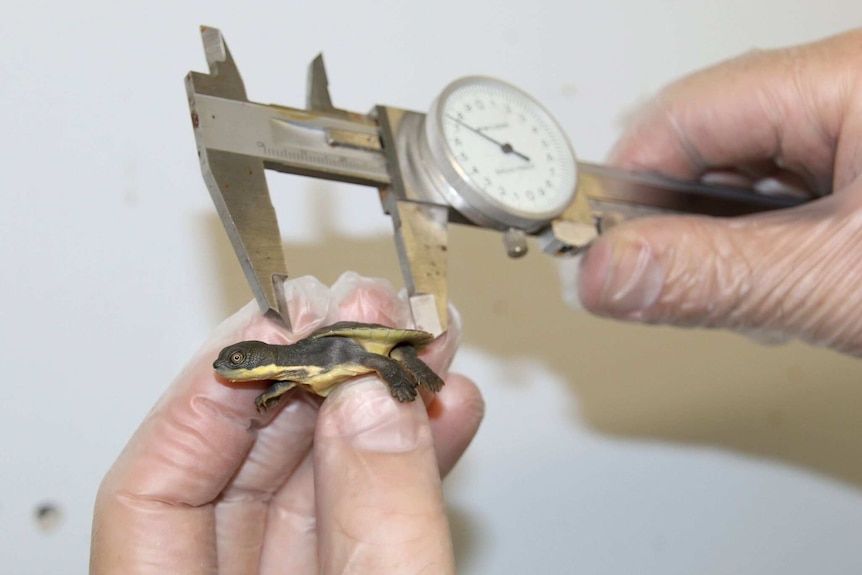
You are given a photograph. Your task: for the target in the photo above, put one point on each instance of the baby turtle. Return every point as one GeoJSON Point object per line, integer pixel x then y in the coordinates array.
{"type": "Point", "coordinates": [328, 357]}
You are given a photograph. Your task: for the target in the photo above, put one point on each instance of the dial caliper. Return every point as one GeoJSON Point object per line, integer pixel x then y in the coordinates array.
{"type": "Point", "coordinates": [486, 154]}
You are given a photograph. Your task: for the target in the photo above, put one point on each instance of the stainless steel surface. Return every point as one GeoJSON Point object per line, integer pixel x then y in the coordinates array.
{"type": "Point", "coordinates": [317, 96]}
{"type": "Point", "coordinates": [237, 182]}
{"type": "Point", "coordinates": [238, 139]}
{"type": "Point", "coordinates": [293, 141]}
{"type": "Point", "coordinates": [515, 242]}
{"type": "Point", "coordinates": [612, 186]}
{"type": "Point", "coordinates": [422, 242]}
{"type": "Point", "coordinates": [406, 156]}
{"type": "Point", "coordinates": [420, 222]}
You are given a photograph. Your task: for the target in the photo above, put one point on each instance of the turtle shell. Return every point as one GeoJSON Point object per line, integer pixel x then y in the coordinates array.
{"type": "Point", "coordinates": [375, 337]}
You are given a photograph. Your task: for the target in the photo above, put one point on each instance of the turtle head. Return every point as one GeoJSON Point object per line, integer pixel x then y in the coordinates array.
{"type": "Point", "coordinates": [246, 361]}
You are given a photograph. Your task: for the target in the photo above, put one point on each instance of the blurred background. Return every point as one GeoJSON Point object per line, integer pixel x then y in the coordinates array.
{"type": "Point", "coordinates": [607, 448]}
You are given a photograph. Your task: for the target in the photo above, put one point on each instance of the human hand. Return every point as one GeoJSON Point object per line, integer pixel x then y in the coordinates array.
{"type": "Point", "coordinates": [349, 485]}
{"type": "Point", "coordinates": [791, 116]}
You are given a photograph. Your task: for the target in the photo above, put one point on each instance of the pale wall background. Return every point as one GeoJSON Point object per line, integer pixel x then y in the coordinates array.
{"type": "Point", "coordinates": [607, 449]}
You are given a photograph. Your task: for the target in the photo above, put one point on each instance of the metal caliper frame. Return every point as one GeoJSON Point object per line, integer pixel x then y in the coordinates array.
{"type": "Point", "coordinates": [238, 140]}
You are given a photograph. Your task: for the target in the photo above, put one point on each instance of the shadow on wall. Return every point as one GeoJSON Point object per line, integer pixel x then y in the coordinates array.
{"type": "Point", "coordinates": [793, 404]}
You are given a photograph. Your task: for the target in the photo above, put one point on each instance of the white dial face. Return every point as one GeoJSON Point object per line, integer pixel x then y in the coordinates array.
{"type": "Point", "coordinates": [508, 148]}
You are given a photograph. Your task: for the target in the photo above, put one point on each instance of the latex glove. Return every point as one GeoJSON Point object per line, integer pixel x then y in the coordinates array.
{"type": "Point", "coordinates": [347, 485]}
{"type": "Point", "coordinates": [792, 116]}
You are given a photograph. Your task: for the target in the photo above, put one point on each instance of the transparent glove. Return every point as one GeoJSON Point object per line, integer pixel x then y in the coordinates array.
{"type": "Point", "coordinates": [787, 119]}
{"type": "Point", "coordinates": [350, 484]}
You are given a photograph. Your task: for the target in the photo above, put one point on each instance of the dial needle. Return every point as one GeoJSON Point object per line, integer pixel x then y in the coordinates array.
{"type": "Point", "coordinates": [506, 148]}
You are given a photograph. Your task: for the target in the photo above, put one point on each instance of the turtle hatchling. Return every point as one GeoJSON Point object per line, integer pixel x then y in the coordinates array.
{"type": "Point", "coordinates": [330, 356]}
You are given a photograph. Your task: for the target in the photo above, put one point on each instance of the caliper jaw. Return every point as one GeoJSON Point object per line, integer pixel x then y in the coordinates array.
{"type": "Point", "coordinates": [238, 140]}
{"type": "Point", "coordinates": [421, 226]}
{"type": "Point", "coordinates": [237, 184]}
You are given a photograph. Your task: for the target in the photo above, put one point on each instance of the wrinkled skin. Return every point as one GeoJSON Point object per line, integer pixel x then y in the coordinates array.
{"type": "Point", "coordinates": [346, 485]}
{"type": "Point", "coordinates": [791, 116]}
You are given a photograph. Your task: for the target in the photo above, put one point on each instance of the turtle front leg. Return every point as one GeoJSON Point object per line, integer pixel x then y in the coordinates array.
{"type": "Point", "coordinates": [402, 384]}
{"type": "Point", "coordinates": [269, 398]}
{"type": "Point", "coordinates": [406, 354]}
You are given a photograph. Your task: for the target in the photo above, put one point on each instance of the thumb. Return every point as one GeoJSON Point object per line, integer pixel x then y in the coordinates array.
{"type": "Point", "coordinates": [380, 505]}
{"type": "Point", "coordinates": [792, 273]}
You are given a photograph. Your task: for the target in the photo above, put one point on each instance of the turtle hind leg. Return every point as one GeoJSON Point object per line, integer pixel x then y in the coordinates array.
{"type": "Point", "coordinates": [402, 383]}
{"type": "Point", "coordinates": [269, 398]}
{"type": "Point", "coordinates": [424, 375]}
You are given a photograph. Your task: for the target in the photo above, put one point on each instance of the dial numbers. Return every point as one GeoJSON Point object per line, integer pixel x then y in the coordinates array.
{"type": "Point", "coordinates": [508, 148]}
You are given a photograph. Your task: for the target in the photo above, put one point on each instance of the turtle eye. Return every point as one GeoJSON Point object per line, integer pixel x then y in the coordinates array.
{"type": "Point", "coordinates": [237, 357]}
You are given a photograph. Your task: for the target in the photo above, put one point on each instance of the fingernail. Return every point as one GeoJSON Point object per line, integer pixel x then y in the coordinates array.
{"type": "Point", "coordinates": [364, 413]}
{"type": "Point", "coordinates": [633, 277]}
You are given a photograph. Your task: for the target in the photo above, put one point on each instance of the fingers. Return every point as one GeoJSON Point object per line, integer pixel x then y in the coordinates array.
{"type": "Point", "coordinates": [291, 541]}
{"type": "Point", "coordinates": [379, 498]}
{"type": "Point", "coordinates": [205, 481]}
{"type": "Point", "coordinates": [454, 414]}
{"type": "Point", "coordinates": [248, 507]}
{"type": "Point", "coordinates": [766, 112]}
{"type": "Point", "coordinates": [154, 510]}
{"type": "Point", "coordinates": [787, 273]}
{"type": "Point", "coordinates": [780, 116]}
